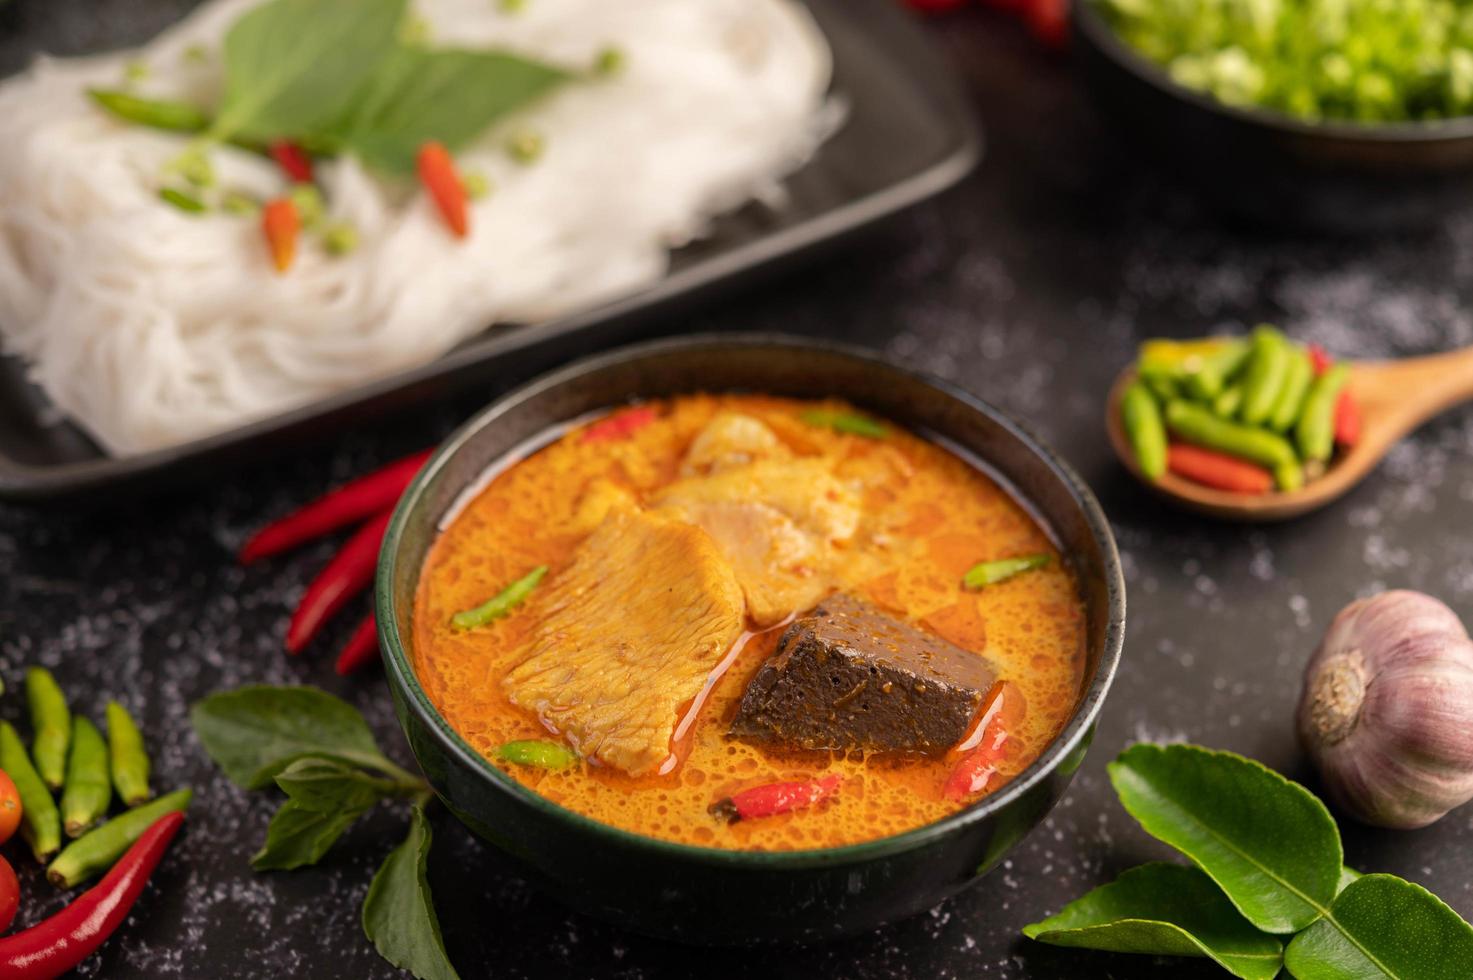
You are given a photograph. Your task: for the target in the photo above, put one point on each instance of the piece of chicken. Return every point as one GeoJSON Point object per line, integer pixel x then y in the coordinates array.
{"type": "Point", "coordinates": [731, 439]}
{"type": "Point", "coordinates": [626, 635]}
{"type": "Point", "coordinates": [776, 521]}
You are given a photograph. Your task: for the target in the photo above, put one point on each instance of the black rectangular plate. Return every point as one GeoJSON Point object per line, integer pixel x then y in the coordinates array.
{"type": "Point", "coordinates": [909, 134]}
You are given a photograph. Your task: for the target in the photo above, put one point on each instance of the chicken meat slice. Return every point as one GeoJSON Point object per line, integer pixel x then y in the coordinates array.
{"type": "Point", "coordinates": [731, 439]}
{"type": "Point", "coordinates": [777, 522]}
{"type": "Point", "coordinates": [626, 636]}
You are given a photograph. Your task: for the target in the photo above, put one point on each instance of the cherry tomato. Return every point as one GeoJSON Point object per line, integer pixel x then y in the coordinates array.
{"type": "Point", "coordinates": [10, 808]}
{"type": "Point", "coordinates": [9, 894]}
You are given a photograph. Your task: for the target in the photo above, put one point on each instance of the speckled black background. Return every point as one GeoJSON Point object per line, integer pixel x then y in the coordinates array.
{"type": "Point", "coordinates": [1029, 285]}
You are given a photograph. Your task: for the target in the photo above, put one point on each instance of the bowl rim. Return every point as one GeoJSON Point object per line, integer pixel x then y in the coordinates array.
{"type": "Point", "coordinates": [1078, 729]}
{"type": "Point", "coordinates": [1092, 26]}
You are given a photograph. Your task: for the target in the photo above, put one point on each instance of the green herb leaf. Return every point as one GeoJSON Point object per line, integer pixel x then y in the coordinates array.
{"type": "Point", "coordinates": [255, 732]}
{"type": "Point", "coordinates": [448, 95]}
{"type": "Point", "coordinates": [1347, 875]}
{"type": "Point", "coordinates": [324, 785]}
{"type": "Point", "coordinates": [292, 66]}
{"type": "Point", "coordinates": [399, 914]}
{"type": "Point", "coordinates": [1269, 843]}
{"type": "Point", "coordinates": [299, 836]}
{"type": "Point", "coordinates": [1165, 909]}
{"type": "Point", "coordinates": [1383, 927]}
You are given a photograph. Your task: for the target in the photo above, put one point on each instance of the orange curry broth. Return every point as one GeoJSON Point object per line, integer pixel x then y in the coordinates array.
{"type": "Point", "coordinates": [951, 516]}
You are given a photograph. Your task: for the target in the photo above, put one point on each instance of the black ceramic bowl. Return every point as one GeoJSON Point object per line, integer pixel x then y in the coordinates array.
{"type": "Point", "coordinates": [705, 895]}
{"type": "Point", "coordinates": [1272, 168]}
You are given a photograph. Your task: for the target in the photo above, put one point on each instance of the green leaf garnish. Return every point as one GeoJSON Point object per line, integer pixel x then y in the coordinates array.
{"type": "Point", "coordinates": [501, 604]}
{"type": "Point", "coordinates": [1384, 927]}
{"type": "Point", "coordinates": [850, 422]}
{"type": "Point", "coordinates": [299, 836]}
{"type": "Point", "coordinates": [399, 913]}
{"type": "Point", "coordinates": [1269, 843]}
{"type": "Point", "coordinates": [253, 733]}
{"type": "Point", "coordinates": [1164, 909]}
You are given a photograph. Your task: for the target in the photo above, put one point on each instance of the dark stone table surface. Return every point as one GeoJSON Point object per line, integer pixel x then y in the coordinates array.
{"type": "Point", "coordinates": [1029, 285]}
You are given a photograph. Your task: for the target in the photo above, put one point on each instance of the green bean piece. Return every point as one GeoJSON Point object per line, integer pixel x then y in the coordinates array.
{"type": "Point", "coordinates": [88, 790]}
{"type": "Point", "coordinates": [187, 203]}
{"type": "Point", "coordinates": [176, 117]}
{"type": "Point", "coordinates": [1143, 425]}
{"type": "Point", "coordinates": [97, 850]}
{"type": "Point", "coordinates": [40, 823]}
{"type": "Point", "coordinates": [501, 603]}
{"type": "Point", "coordinates": [1196, 424]}
{"type": "Point", "coordinates": [850, 422]}
{"type": "Point", "coordinates": [992, 572]}
{"type": "Point", "coordinates": [1315, 431]}
{"type": "Point", "coordinates": [1296, 386]}
{"type": "Point", "coordinates": [535, 752]}
{"type": "Point", "coordinates": [1163, 384]}
{"type": "Point", "coordinates": [126, 756]}
{"type": "Point", "coordinates": [1226, 405]}
{"type": "Point", "coordinates": [1268, 367]}
{"type": "Point", "coordinates": [51, 723]}
{"type": "Point", "coordinates": [1208, 374]}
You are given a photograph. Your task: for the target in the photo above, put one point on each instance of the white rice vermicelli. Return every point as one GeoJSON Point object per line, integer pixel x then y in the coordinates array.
{"type": "Point", "coordinates": [150, 327]}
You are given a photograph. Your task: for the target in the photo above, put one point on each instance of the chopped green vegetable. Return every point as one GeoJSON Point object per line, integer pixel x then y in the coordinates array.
{"type": "Point", "coordinates": [195, 167]}
{"type": "Point", "coordinates": [1359, 60]}
{"type": "Point", "coordinates": [181, 200]}
{"type": "Point", "coordinates": [234, 202]}
{"type": "Point", "coordinates": [992, 572]}
{"type": "Point", "coordinates": [340, 239]}
{"type": "Point", "coordinates": [310, 206]}
{"type": "Point", "coordinates": [538, 753]}
{"type": "Point", "coordinates": [135, 71]}
{"type": "Point", "coordinates": [196, 54]}
{"type": "Point", "coordinates": [500, 604]}
{"type": "Point", "coordinates": [511, 6]}
{"type": "Point", "coordinates": [610, 61]}
{"type": "Point", "coordinates": [477, 185]}
{"type": "Point", "coordinates": [176, 117]}
{"type": "Point", "coordinates": [525, 146]}
{"type": "Point", "coordinates": [850, 422]}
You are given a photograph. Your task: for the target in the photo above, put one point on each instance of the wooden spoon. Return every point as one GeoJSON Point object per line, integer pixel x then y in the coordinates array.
{"type": "Point", "coordinates": [1395, 398]}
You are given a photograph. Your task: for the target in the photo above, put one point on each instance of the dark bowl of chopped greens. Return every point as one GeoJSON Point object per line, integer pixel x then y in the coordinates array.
{"type": "Point", "coordinates": [1344, 116]}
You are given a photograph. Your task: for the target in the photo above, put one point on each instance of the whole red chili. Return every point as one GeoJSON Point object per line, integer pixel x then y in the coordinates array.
{"type": "Point", "coordinates": [56, 945]}
{"type": "Point", "coordinates": [981, 753]}
{"type": "Point", "coordinates": [1347, 419]}
{"type": "Point", "coordinates": [361, 648]}
{"type": "Point", "coordinates": [620, 425]}
{"type": "Point", "coordinates": [364, 497]}
{"type": "Point", "coordinates": [293, 161]}
{"type": "Point", "coordinates": [1319, 360]}
{"type": "Point", "coordinates": [349, 573]}
{"type": "Point", "coordinates": [775, 798]}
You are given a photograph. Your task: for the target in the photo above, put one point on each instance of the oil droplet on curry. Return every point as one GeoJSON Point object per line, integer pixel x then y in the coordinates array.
{"type": "Point", "coordinates": [744, 591]}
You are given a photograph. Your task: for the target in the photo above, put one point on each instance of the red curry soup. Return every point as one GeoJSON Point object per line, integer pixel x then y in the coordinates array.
{"type": "Point", "coordinates": [749, 622]}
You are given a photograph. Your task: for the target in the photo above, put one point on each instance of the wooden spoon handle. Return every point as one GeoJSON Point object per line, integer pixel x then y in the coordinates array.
{"type": "Point", "coordinates": [1403, 394]}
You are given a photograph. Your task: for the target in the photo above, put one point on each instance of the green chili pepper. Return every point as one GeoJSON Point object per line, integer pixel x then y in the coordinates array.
{"type": "Point", "coordinates": [992, 572]}
{"type": "Point", "coordinates": [1268, 366]}
{"type": "Point", "coordinates": [126, 756]}
{"type": "Point", "coordinates": [310, 206]}
{"type": "Point", "coordinates": [340, 239]}
{"type": "Point", "coordinates": [1207, 374]}
{"type": "Point", "coordinates": [1296, 386]}
{"type": "Point", "coordinates": [534, 752]}
{"type": "Point", "coordinates": [610, 61]}
{"type": "Point", "coordinates": [182, 201]}
{"type": "Point", "coordinates": [1196, 424]}
{"type": "Point", "coordinates": [1226, 405]}
{"type": "Point", "coordinates": [1315, 432]}
{"type": "Point", "coordinates": [51, 724]}
{"type": "Point", "coordinates": [501, 603]}
{"type": "Point", "coordinates": [1289, 476]}
{"type": "Point", "coordinates": [99, 849]}
{"type": "Point", "coordinates": [1142, 418]}
{"type": "Point", "coordinates": [176, 117]}
{"type": "Point", "coordinates": [476, 184]}
{"type": "Point", "coordinates": [1163, 384]}
{"type": "Point", "coordinates": [88, 791]}
{"type": "Point", "coordinates": [40, 823]}
{"type": "Point", "coordinates": [849, 422]}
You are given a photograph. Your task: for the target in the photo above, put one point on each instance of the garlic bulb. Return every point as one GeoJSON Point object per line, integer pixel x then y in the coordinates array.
{"type": "Point", "coordinates": [1387, 710]}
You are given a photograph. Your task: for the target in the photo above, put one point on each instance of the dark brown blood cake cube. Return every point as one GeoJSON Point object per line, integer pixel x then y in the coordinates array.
{"type": "Point", "coordinates": [847, 676]}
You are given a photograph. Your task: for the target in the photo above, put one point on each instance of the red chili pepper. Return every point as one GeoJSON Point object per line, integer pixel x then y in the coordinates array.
{"type": "Point", "coordinates": [349, 573]}
{"type": "Point", "coordinates": [1049, 22]}
{"type": "Point", "coordinates": [1219, 470]}
{"type": "Point", "coordinates": [370, 494]}
{"type": "Point", "coordinates": [56, 945]}
{"type": "Point", "coordinates": [293, 161]}
{"type": "Point", "coordinates": [1319, 360]}
{"type": "Point", "coordinates": [361, 648]}
{"type": "Point", "coordinates": [620, 425]}
{"type": "Point", "coordinates": [9, 894]}
{"type": "Point", "coordinates": [981, 753]}
{"type": "Point", "coordinates": [437, 173]}
{"type": "Point", "coordinates": [775, 798]}
{"type": "Point", "coordinates": [1347, 419]}
{"type": "Point", "coordinates": [281, 224]}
